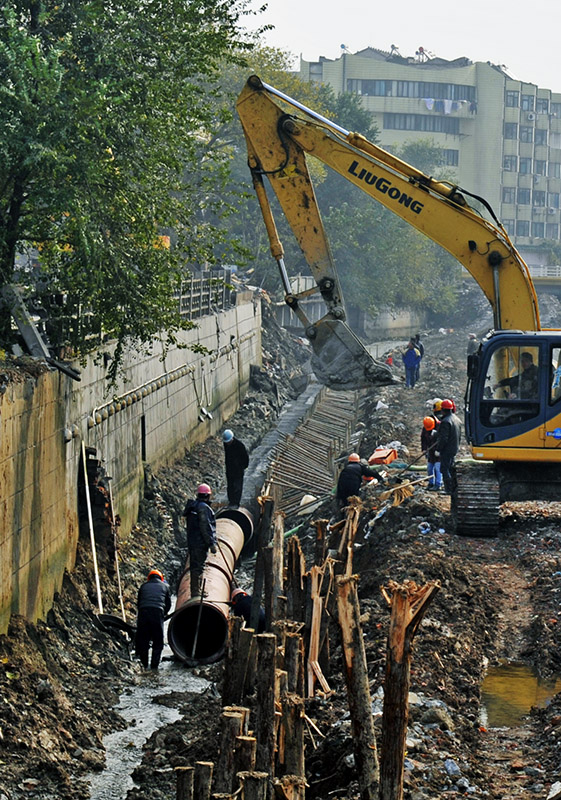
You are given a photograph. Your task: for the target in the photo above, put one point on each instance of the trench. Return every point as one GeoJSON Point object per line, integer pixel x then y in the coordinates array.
{"type": "Point", "coordinates": [145, 710]}
{"type": "Point", "coordinates": [143, 706]}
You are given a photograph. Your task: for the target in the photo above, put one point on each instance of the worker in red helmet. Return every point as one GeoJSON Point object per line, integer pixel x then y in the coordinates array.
{"type": "Point", "coordinates": [201, 534]}
{"type": "Point", "coordinates": [350, 478]}
{"type": "Point", "coordinates": [153, 603]}
{"type": "Point", "coordinates": [428, 446]}
{"type": "Point", "coordinates": [241, 607]}
{"type": "Point", "coordinates": [448, 443]}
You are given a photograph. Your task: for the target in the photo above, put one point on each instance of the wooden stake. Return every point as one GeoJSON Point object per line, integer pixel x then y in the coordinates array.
{"type": "Point", "coordinates": [358, 689]}
{"type": "Point", "coordinates": [203, 779]}
{"type": "Point", "coordinates": [265, 702]}
{"type": "Point", "coordinates": [246, 751]}
{"type": "Point", "coordinates": [408, 604]}
{"type": "Point", "coordinates": [254, 785]}
{"type": "Point", "coordinates": [185, 777]}
{"type": "Point", "coordinates": [231, 679]}
{"type": "Point", "coordinates": [294, 663]}
{"type": "Point", "coordinates": [278, 562]}
{"type": "Point", "coordinates": [262, 540]}
{"type": "Point", "coordinates": [230, 728]}
{"type": "Point", "coordinates": [293, 725]}
{"type": "Point", "coordinates": [295, 586]}
{"type": "Point", "coordinates": [321, 541]}
{"type": "Point", "coordinates": [290, 787]}
{"type": "Point", "coordinates": [244, 711]}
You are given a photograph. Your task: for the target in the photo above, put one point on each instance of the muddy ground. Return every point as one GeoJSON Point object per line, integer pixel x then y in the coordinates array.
{"type": "Point", "coordinates": [61, 678]}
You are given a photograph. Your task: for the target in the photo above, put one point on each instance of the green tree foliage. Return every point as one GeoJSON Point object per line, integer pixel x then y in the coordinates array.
{"type": "Point", "coordinates": [106, 118]}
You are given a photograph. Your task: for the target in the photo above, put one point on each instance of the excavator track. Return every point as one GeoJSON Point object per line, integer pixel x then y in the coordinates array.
{"type": "Point", "coordinates": [475, 502]}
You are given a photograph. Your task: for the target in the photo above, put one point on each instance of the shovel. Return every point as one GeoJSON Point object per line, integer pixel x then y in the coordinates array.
{"type": "Point", "coordinates": [408, 467]}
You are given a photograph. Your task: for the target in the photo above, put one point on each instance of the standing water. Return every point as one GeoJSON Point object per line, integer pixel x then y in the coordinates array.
{"type": "Point", "coordinates": [510, 690]}
{"type": "Point", "coordinates": [124, 748]}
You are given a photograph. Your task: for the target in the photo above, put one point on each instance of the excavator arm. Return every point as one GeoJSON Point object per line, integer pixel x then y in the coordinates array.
{"type": "Point", "coordinates": [280, 133]}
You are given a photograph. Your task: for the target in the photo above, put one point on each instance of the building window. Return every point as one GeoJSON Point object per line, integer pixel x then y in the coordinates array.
{"type": "Point", "coordinates": [509, 194]}
{"type": "Point", "coordinates": [527, 102]}
{"type": "Point", "coordinates": [511, 100]}
{"type": "Point", "coordinates": [510, 163]}
{"type": "Point", "coordinates": [553, 199]}
{"type": "Point", "coordinates": [525, 166]}
{"type": "Point", "coordinates": [522, 227]}
{"type": "Point", "coordinates": [526, 134]}
{"type": "Point", "coordinates": [555, 110]}
{"type": "Point", "coordinates": [436, 91]}
{"type": "Point", "coordinates": [451, 158]}
{"type": "Point", "coordinates": [554, 169]}
{"type": "Point", "coordinates": [538, 230]}
{"type": "Point", "coordinates": [524, 197]}
{"type": "Point", "coordinates": [511, 130]}
{"type": "Point", "coordinates": [508, 225]}
{"type": "Point", "coordinates": [540, 167]}
{"type": "Point", "coordinates": [552, 230]}
{"type": "Point", "coordinates": [421, 122]}
{"type": "Point", "coordinates": [542, 105]}
{"type": "Point", "coordinates": [541, 136]}
{"type": "Point", "coordinates": [538, 198]}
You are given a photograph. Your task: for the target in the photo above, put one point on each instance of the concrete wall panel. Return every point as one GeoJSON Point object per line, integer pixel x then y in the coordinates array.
{"type": "Point", "coordinates": [153, 415]}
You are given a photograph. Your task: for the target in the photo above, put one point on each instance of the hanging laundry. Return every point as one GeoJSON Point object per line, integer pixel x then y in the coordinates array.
{"type": "Point", "coordinates": [447, 106]}
{"type": "Point", "coordinates": [439, 105]}
{"type": "Point", "coordinates": [429, 102]}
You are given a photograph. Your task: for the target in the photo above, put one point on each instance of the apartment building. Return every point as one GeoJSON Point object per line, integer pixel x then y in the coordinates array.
{"type": "Point", "coordinates": [501, 137]}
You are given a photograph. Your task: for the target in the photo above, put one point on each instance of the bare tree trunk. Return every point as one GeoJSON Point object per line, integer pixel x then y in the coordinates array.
{"type": "Point", "coordinates": [358, 689]}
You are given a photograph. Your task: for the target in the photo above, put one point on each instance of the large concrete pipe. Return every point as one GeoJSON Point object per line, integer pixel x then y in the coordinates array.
{"type": "Point", "coordinates": [206, 619]}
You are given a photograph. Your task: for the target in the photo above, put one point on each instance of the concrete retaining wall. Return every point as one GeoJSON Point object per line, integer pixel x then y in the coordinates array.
{"type": "Point", "coordinates": [153, 415]}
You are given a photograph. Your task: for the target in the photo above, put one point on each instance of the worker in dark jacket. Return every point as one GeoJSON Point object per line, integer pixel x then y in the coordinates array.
{"type": "Point", "coordinates": [448, 443]}
{"type": "Point", "coordinates": [236, 460]}
{"type": "Point", "coordinates": [153, 603]}
{"type": "Point", "coordinates": [241, 607]}
{"type": "Point", "coordinates": [350, 478]}
{"type": "Point", "coordinates": [201, 534]}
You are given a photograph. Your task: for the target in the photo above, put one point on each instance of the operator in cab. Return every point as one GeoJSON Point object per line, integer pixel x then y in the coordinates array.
{"type": "Point", "coordinates": [523, 386]}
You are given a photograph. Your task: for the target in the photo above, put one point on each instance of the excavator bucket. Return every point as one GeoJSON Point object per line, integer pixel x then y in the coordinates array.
{"type": "Point", "coordinates": [341, 361]}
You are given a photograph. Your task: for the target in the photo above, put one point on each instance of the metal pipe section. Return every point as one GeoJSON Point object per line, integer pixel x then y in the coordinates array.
{"type": "Point", "coordinates": [206, 621]}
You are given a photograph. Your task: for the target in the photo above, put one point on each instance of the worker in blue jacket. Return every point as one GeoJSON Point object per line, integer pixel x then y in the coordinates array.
{"type": "Point", "coordinates": [411, 360]}
{"type": "Point", "coordinates": [201, 534]}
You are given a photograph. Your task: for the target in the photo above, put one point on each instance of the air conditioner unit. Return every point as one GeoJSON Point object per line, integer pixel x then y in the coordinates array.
{"type": "Point", "coordinates": [551, 210]}
{"type": "Point", "coordinates": [531, 116]}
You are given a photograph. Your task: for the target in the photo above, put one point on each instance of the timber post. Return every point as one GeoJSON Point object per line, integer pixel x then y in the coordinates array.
{"type": "Point", "coordinates": [265, 701]}
{"type": "Point", "coordinates": [408, 603]}
{"type": "Point", "coordinates": [203, 779]}
{"type": "Point", "coordinates": [358, 689]}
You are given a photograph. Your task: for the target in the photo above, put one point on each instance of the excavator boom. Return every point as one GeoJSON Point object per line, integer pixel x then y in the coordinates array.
{"type": "Point", "coordinates": [280, 133]}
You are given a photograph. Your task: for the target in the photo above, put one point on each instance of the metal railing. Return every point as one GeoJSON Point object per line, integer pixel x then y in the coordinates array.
{"type": "Point", "coordinates": [205, 292]}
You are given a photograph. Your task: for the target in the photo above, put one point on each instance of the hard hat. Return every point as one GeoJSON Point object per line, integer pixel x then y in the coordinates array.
{"type": "Point", "coordinates": [429, 423]}
{"type": "Point", "coordinates": [237, 592]}
{"type": "Point", "coordinates": [354, 457]}
{"type": "Point", "coordinates": [437, 404]}
{"type": "Point", "coordinates": [227, 436]}
{"type": "Point", "coordinates": [472, 336]}
{"type": "Point", "coordinates": [448, 404]}
{"type": "Point", "coordinates": [155, 572]}
{"type": "Point", "coordinates": [204, 488]}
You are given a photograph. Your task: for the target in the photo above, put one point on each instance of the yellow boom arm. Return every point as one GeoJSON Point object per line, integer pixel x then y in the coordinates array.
{"type": "Point", "coordinates": [280, 132]}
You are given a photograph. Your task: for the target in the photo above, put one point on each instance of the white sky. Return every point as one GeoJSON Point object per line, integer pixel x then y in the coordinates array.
{"type": "Point", "coordinates": [482, 30]}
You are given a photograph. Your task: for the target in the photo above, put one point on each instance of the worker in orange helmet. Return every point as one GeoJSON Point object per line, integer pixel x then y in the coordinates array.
{"type": "Point", "coordinates": [241, 607]}
{"type": "Point", "coordinates": [428, 446]}
{"type": "Point", "coordinates": [153, 603]}
{"type": "Point", "coordinates": [350, 478]}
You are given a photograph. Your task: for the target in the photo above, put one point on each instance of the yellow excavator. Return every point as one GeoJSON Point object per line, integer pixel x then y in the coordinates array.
{"type": "Point", "coordinates": [513, 395]}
